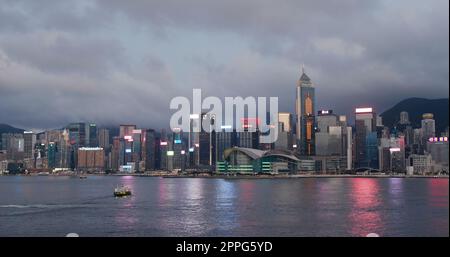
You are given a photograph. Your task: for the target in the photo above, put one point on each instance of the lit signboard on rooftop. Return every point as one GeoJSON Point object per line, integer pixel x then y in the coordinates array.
{"type": "Point", "coordinates": [364, 110]}
{"type": "Point", "coordinates": [438, 139]}
{"type": "Point", "coordinates": [394, 149]}
{"type": "Point", "coordinates": [163, 143]}
{"type": "Point", "coordinates": [325, 112]}
{"type": "Point", "coordinates": [170, 153]}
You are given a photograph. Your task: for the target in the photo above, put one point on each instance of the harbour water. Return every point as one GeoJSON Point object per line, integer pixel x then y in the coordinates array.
{"type": "Point", "coordinates": [58, 205]}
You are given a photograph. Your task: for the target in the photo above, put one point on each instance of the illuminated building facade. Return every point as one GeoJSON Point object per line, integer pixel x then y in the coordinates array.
{"type": "Point", "coordinates": [304, 110]}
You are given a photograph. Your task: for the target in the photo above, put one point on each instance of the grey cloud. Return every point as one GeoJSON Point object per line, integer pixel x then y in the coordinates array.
{"type": "Point", "coordinates": [61, 52]}
{"type": "Point", "coordinates": [356, 52]}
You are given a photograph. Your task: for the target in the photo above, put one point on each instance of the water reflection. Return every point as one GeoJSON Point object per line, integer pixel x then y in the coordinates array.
{"type": "Point", "coordinates": [125, 216]}
{"type": "Point", "coordinates": [365, 215]}
{"type": "Point", "coordinates": [438, 189]}
{"type": "Point", "coordinates": [225, 206]}
{"type": "Point", "coordinates": [396, 191]}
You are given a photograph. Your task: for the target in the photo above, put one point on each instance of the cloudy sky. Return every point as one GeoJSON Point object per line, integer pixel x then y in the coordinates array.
{"type": "Point", "coordinates": [114, 61]}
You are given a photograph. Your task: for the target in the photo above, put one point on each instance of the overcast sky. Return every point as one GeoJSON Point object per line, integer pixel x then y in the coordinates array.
{"type": "Point", "coordinates": [117, 61]}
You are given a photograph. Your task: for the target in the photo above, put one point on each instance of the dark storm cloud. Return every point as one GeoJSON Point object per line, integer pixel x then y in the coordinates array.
{"type": "Point", "coordinates": [71, 60]}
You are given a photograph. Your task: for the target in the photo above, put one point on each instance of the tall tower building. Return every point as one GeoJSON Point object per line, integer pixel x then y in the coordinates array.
{"type": "Point", "coordinates": [103, 138]}
{"type": "Point", "coordinates": [404, 118]}
{"type": "Point", "coordinates": [93, 137]}
{"type": "Point", "coordinates": [150, 149]}
{"type": "Point", "coordinates": [304, 110]}
{"type": "Point", "coordinates": [29, 142]}
{"type": "Point", "coordinates": [428, 126]}
{"type": "Point", "coordinates": [366, 152]}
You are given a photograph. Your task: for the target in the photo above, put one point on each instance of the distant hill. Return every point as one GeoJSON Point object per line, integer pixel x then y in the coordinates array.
{"type": "Point", "coordinates": [4, 128]}
{"type": "Point", "coordinates": [415, 108]}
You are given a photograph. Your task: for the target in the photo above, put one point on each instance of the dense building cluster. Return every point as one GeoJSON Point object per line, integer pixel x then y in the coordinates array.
{"type": "Point", "coordinates": [308, 142]}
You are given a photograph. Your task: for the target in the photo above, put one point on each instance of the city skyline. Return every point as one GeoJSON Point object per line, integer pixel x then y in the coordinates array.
{"type": "Point", "coordinates": [127, 61]}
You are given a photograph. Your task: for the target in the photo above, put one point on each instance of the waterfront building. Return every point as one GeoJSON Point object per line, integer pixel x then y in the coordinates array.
{"type": "Point", "coordinates": [392, 157]}
{"type": "Point", "coordinates": [437, 147]}
{"type": "Point", "coordinates": [90, 159]}
{"type": "Point", "coordinates": [419, 164]}
{"type": "Point", "coordinates": [366, 143]}
{"type": "Point", "coordinates": [242, 160]}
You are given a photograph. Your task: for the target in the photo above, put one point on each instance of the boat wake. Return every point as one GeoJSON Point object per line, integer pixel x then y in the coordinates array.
{"type": "Point", "coordinates": [19, 206]}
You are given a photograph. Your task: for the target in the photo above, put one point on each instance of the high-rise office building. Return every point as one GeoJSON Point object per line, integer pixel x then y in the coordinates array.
{"type": "Point", "coordinates": [13, 143]}
{"type": "Point", "coordinates": [326, 123]}
{"type": "Point", "coordinates": [93, 137]}
{"type": "Point", "coordinates": [207, 140]}
{"type": "Point", "coordinates": [77, 134]}
{"type": "Point", "coordinates": [437, 147]}
{"type": "Point", "coordinates": [150, 150]}
{"type": "Point", "coordinates": [225, 138]}
{"type": "Point", "coordinates": [115, 154]}
{"type": "Point", "coordinates": [90, 159]}
{"type": "Point", "coordinates": [304, 110]}
{"type": "Point", "coordinates": [366, 142]}
{"type": "Point", "coordinates": [404, 118]}
{"type": "Point", "coordinates": [286, 119]}
{"type": "Point", "coordinates": [285, 135]}
{"type": "Point", "coordinates": [103, 138]}
{"type": "Point", "coordinates": [29, 141]}
{"type": "Point", "coordinates": [428, 127]}
{"type": "Point", "coordinates": [164, 147]}
{"type": "Point", "coordinates": [52, 151]}
{"type": "Point", "coordinates": [126, 130]}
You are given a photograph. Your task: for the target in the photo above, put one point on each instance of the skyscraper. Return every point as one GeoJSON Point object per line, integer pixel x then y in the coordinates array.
{"type": "Point", "coordinates": [225, 138]}
{"type": "Point", "coordinates": [284, 140]}
{"type": "Point", "coordinates": [29, 141]}
{"type": "Point", "coordinates": [93, 139]}
{"type": "Point", "coordinates": [77, 134]}
{"type": "Point", "coordinates": [150, 149]}
{"type": "Point", "coordinates": [103, 138]}
{"type": "Point", "coordinates": [366, 145]}
{"type": "Point", "coordinates": [207, 140]}
{"type": "Point", "coordinates": [126, 130]}
{"type": "Point", "coordinates": [304, 110]}
{"type": "Point", "coordinates": [404, 118]}
{"type": "Point", "coordinates": [428, 127]}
